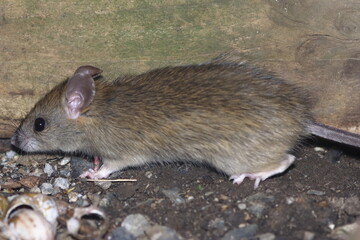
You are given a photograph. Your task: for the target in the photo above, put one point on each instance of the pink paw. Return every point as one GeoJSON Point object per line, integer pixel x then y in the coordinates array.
{"type": "Point", "coordinates": [238, 179]}
{"type": "Point", "coordinates": [90, 173]}
{"type": "Point", "coordinates": [98, 172]}
{"type": "Point", "coordinates": [103, 172]}
{"type": "Point", "coordinates": [261, 176]}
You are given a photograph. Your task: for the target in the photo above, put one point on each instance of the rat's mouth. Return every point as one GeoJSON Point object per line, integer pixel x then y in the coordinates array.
{"type": "Point", "coordinates": [24, 143]}
{"type": "Point", "coordinates": [15, 142]}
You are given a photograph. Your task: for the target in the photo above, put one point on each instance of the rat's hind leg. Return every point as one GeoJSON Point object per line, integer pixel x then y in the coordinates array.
{"type": "Point", "coordinates": [261, 176]}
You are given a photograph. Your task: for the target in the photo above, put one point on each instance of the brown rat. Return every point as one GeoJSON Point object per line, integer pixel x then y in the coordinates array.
{"type": "Point", "coordinates": [237, 118]}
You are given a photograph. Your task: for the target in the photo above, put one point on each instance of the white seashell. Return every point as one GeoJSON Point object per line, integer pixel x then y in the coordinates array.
{"type": "Point", "coordinates": [30, 217]}
{"type": "Point", "coordinates": [74, 224]}
{"type": "Point", "coordinates": [4, 205]}
{"type": "Point", "coordinates": [34, 216]}
{"type": "Point", "coordinates": [27, 224]}
{"type": "Point", "coordinates": [10, 154]}
{"type": "Point", "coordinates": [38, 202]}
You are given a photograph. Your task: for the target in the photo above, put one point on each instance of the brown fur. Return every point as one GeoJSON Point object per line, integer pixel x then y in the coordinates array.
{"type": "Point", "coordinates": [233, 117]}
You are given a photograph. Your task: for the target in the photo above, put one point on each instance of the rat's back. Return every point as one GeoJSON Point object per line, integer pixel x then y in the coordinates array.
{"type": "Point", "coordinates": [237, 118]}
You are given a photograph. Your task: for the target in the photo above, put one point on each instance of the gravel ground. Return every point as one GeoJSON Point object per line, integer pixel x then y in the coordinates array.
{"type": "Point", "coordinates": [318, 198]}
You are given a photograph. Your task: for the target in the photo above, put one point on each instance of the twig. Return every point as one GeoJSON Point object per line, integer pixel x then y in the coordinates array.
{"type": "Point", "coordinates": [112, 180]}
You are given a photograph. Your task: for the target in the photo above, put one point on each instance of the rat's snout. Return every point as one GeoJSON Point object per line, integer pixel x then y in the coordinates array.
{"type": "Point", "coordinates": [17, 139]}
{"type": "Point", "coordinates": [13, 139]}
{"type": "Point", "coordinates": [22, 141]}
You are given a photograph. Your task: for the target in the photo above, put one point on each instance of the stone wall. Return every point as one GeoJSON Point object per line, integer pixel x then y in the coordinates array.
{"type": "Point", "coordinates": [314, 43]}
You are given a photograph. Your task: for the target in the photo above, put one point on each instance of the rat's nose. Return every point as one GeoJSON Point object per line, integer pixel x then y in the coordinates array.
{"type": "Point", "coordinates": [13, 140]}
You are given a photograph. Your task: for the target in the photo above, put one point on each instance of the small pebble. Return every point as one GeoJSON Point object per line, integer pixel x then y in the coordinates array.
{"type": "Point", "coordinates": [104, 202]}
{"type": "Point", "coordinates": [73, 196]}
{"type": "Point", "coordinates": [352, 206]}
{"type": "Point", "coordinates": [103, 185]}
{"type": "Point", "coordinates": [12, 197]}
{"type": "Point", "coordinates": [208, 194]}
{"type": "Point", "coordinates": [148, 174]}
{"type": "Point", "coordinates": [62, 183]}
{"type": "Point", "coordinates": [173, 195]}
{"type": "Point", "coordinates": [331, 226]}
{"type": "Point", "coordinates": [14, 176]}
{"type": "Point", "coordinates": [135, 224]}
{"type": "Point", "coordinates": [241, 233]}
{"type": "Point", "coordinates": [349, 231]}
{"type": "Point", "coordinates": [12, 165]}
{"type": "Point", "coordinates": [64, 161]}
{"type": "Point", "coordinates": [158, 232]}
{"type": "Point", "coordinates": [121, 233]}
{"type": "Point", "coordinates": [323, 204]}
{"type": "Point", "coordinates": [257, 208]}
{"type": "Point", "coordinates": [315, 192]}
{"type": "Point", "coordinates": [94, 198]}
{"type": "Point", "coordinates": [290, 200]}
{"type": "Point", "coordinates": [35, 190]}
{"type": "Point", "coordinates": [65, 173]}
{"type": "Point", "coordinates": [265, 236]}
{"type": "Point", "coordinates": [223, 197]}
{"type": "Point", "coordinates": [30, 181]}
{"type": "Point", "coordinates": [242, 206]}
{"type": "Point", "coordinates": [37, 172]}
{"type": "Point", "coordinates": [56, 190]}
{"type": "Point", "coordinates": [83, 202]}
{"type": "Point", "coordinates": [319, 149]}
{"type": "Point", "coordinates": [308, 235]}
{"type": "Point", "coordinates": [10, 154]}
{"type": "Point", "coordinates": [189, 198]}
{"type": "Point", "coordinates": [109, 198]}
{"type": "Point", "coordinates": [261, 197]}
{"type": "Point", "coordinates": [337, 202]}
{"type": "Point", "coordinates": [218, 224]}
{"type": "Point", "coordinates": [46, 188]}
{"type": "Point", "coordinates": [49, 169]}
{"type": "Point", "coordinates": [10, 184]}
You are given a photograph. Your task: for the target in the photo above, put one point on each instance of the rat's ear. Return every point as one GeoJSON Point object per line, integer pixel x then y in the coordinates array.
{"type": "Point", "coordinates": [80, 90]}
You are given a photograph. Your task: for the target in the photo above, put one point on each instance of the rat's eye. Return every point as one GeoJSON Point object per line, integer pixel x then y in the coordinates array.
{"type": "Point", "coordinates": [39, 124]}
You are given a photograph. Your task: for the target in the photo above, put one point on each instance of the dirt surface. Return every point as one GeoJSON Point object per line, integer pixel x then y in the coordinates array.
{"type": "Point", "coordinates": [311, 199]}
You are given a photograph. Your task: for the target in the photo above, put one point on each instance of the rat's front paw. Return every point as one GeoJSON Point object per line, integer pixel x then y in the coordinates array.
{"type": "Point", "coordinates": [103, 172]}
{"type": "Point", "coordinates": [90, 173]}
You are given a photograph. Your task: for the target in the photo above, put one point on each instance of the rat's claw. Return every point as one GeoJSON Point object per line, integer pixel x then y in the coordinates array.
{"type": "Point", "coordinates": [238, 179]}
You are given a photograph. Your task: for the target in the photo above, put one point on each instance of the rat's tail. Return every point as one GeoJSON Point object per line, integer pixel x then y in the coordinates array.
{"type": "Point", "coordinates": [334, 134]}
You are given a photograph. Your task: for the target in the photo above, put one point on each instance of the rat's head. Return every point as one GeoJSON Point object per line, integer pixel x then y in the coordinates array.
{"type": "Point", "coordinates": [55, 122]}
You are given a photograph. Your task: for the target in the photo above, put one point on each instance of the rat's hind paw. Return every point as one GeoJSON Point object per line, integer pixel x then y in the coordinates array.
{"type": "Point", "coordinates": [261, 176]}
{"type": "Point", "coordinates": [253, 176]}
